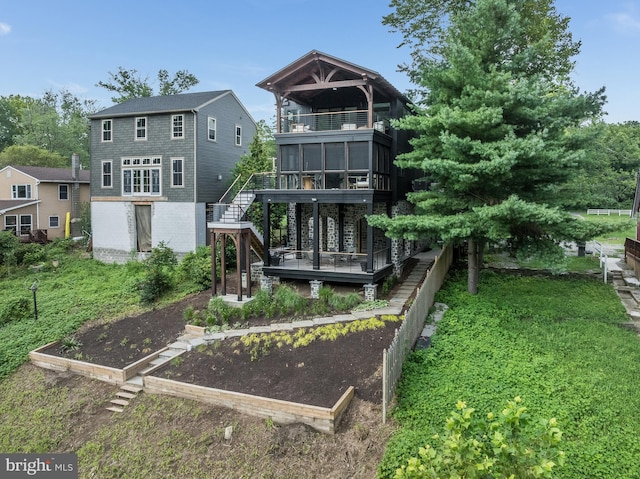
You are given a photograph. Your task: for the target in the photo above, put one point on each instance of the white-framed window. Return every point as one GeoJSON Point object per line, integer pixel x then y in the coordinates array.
{"type": "Point", "coordinates": [107, 130]}
{"type": "Point", "coordinates": [211, 127]}
{"type": "Point", "coordinates": [141, 128]}
{"type": "Point", "coordinates": [107, 174]}
{"type": "Point", "coordinates": [177, 172]}
{"type": "Point", "coordinates": [20, 192]}
{"type": "Point", "coordinates": [11, 224]}
{"type": "Point", "coordinates": [177, 126]}
{"type": "Point", "coordinates": [141, 176]}
{"type": "Point", "coordinates": [54, 222]}
{"type": "Point", "coordinates": [63, 192]}
{"type": "Point", "coordinates": [26, 224]}
{"type": "Point", "coordinates": [238, 135]}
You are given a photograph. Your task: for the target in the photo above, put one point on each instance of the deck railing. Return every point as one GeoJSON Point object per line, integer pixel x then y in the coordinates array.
{"type": "Point", "coordinates": [329, 260]}
{"type": "Point", "coordinates": [330, 121]}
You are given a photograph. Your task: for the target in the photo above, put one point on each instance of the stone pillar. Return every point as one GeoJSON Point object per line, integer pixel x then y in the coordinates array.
{"type": "Point", "coordinates": [370, 292]}
{"type": "Point", "coordinates": [315, 288]}
{"type": "Point", "coordinates": [266, 284]}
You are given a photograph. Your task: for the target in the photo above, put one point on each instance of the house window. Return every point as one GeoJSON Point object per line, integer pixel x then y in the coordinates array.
{"type": "Point", "coordinates": [11, 223]}
{"type": "Point", "coordinates": [141, 176]}
{"type": "Point", "coordinates": [25, 224]}
{"type": "Point", "coordinates": [19, 192]}
{"type": "Point", "coordinates": [177, 130]}
{"type": "Point", "coordinates": [106, 174]}
{"type": "Point", "coordinates": [63, 192]}
{"type": "Point", "coordinates": [54, 222]}
{"type": "Point", "coordinates": [176, 172]}
{"type": "Point", "coordinates": [141, 128]}
{"type": "Point", "coordinates": [106, 130]}
{"type": "Point", "coordinates": [211, 122]}
{"type": "Point", "coordinates": [238, 135]}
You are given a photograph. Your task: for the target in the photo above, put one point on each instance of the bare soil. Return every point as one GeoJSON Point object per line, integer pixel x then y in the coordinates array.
{"type": "Point", "coordinates": [317, 374]}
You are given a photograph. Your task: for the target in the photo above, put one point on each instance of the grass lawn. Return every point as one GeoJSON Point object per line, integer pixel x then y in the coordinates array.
{"type": "Point", "coordinates": [557, 343]}
{"type": "Point", "coordinates": [67, 296]}
{"type": "Point", "coordinates": [625, 227]}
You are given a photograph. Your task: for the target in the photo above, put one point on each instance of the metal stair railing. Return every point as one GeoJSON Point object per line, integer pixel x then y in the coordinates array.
{"type": "Point", "coordinates": [234, 203]}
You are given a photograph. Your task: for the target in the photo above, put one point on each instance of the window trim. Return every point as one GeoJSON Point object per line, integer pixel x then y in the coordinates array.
{"type": "Point", "coordinates": [175, 136]}
{"type": "Point", "coordinates": [181, 173]}
{"type": "Point", "coordinates": [214, 129]}
{"type": "Point", "coordinates": [238, 135]}
{"type": "Point", "coordinates": [103, 175]}
{"type": "Point", "coordinates": [15, 192]}
{"type": "Point", "coordinates": [14, 226]}
{"type": "Point", "coordinates": [57, 218]}
{"type": "Point", "coordinates": [109, 131]}
{"type": "Point", "coordinates": [138, 129]}
{"type": "Point", "coordinates": [60, 186]}
{"type": "Point", "coordinates": [21, 224]}
{"type": "Point", "coordinates": [133, 175]}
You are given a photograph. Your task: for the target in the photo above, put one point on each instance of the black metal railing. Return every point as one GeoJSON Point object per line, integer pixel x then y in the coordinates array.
{"type": "Point", "coordinates": [331, 121]}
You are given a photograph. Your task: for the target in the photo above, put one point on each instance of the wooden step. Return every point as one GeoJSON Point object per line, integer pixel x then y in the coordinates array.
{"type": "Point", "coordinates": [115, 409]}
{"type": "Point", "coordinates": [120, 402]}
{"type": "Point", "coordinates": [131, 388]}
{"type": "Point", "coordinates": [125, 395]}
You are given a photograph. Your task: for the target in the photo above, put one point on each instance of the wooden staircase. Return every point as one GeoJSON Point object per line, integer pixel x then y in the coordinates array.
{"type": "Point", "coordinates": [126, 393]}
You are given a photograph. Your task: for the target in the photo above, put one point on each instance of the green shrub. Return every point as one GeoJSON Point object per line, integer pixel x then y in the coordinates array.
{"type": "Point", "coordinates": [30, 253]}
{"type": "Point", "coordinates": [286, 300]}
{"type": "Point", "coordinates": [158, 278]}
{"type": "Point", "coordinates": [196, 267]}
{"type": "Point", "coordinates": [9, 244]}
{"type": "Point", "coordinates": [16, 309]}
{"type": "Point", "coordinates": [501, 445]}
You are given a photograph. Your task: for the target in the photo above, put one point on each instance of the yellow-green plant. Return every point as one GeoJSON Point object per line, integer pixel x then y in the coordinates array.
{"type": "Point", "coordinates": [501, 445]}
{"type": "Point", "coordinates": [261, 343]}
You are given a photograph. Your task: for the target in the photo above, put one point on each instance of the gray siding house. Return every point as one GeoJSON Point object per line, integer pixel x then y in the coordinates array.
{"type": "Point", "coordinates": [156, 163]}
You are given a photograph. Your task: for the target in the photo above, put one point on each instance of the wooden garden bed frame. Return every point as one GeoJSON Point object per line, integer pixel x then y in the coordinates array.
{"type": "Point", "coordinates": [320, 418]}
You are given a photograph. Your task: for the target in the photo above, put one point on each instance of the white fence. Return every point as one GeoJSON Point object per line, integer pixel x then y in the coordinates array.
{"type": "Point", "coordinates": [598, 212]}
{"type": "Point", "coordinates": [393, 358]}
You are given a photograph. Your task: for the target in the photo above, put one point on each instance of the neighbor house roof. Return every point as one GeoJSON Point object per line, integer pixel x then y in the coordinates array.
{"type": "Point", "coordinates": [8, 205]}
{"type": "Point", "coordinates": [53, 175]}
{"type": "Point", "coordinates": [162, 104]}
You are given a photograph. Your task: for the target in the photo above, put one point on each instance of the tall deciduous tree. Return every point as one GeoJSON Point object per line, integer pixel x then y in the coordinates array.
{"type": "Point", "coordinates": [58, 123]}
{"type": "Point", "coordinates": [129, 84]}
{"type": "Point", "coordinates": [497, 132]}
{"type": "Point", "coordinates": [29, 155]}
{"type": "Point", "coordinates": [10, 108]}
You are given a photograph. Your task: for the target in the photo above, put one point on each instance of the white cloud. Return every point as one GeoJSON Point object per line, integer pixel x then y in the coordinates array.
{"type": "Point", "coordinates": [625, 22]}
{"type": "Point", "coordinates": [5, 28]}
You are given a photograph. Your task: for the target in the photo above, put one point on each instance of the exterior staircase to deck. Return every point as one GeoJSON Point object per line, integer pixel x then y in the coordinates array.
{"type": "Point", "coordinates": [235, 212]}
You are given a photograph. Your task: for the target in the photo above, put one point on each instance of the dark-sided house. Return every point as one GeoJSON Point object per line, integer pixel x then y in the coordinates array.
{"type": "Point", "coordinates": [335, 165]}
{"type": "Point", "coordinates": [156, 163]}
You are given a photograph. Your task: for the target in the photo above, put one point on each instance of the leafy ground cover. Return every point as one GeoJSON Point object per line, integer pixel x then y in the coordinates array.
{"type": "Point", "coordinates": [555, 342]}
{"type": "Point", "coordinates": [69, 295]}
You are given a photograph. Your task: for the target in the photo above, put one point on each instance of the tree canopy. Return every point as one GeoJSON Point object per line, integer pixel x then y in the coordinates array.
{"type": "Point", "coordinates": [497, 133]}
{"type": "Point", "coordinates": [129, 84]}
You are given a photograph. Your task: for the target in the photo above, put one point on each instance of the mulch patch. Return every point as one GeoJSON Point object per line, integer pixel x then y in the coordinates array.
{"type": "Point", "coordinates": [317, 374]}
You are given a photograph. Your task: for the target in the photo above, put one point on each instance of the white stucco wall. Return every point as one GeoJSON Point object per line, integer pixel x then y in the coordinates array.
{"type": "Point", "coordinates": [114, 230]}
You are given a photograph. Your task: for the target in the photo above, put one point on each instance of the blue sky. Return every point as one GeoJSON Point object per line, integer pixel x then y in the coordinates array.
{"type": "Point", "coordinates": [47, 44]}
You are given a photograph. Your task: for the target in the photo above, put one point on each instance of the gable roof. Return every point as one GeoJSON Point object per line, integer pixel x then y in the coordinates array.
{"type": "Point", "coordinates": [9, 205]}
{"type": "Point", "coordinates": [317, 69]}
{"type": "Point", "coordinates": [52, 175]}
{"type": "Point", "coordinates": [161, 104]}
